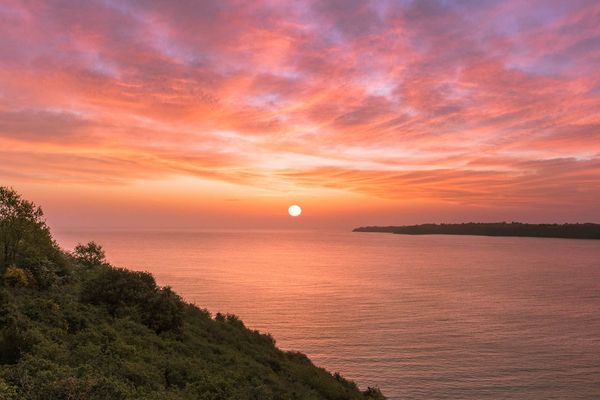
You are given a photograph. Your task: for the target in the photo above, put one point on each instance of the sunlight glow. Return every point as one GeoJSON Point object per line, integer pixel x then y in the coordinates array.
{"type": "Point", "coordinates": [295, 210]}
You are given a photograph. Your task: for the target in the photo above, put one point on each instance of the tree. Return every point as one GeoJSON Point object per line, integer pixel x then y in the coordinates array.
{"type": "Point", "coordinates": [25, 239]}
{"type": "Point", "coordinates": [164, 312]}
{"type": "Point", "coordinates": [90, 254]}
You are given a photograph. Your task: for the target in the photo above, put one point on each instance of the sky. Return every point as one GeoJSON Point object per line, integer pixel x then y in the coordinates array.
{"type": "Point", "coordinates": [204, 114]}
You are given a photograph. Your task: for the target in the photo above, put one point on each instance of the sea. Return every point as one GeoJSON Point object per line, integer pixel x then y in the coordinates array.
{"type": "Point", "coordinates": [421, 317]}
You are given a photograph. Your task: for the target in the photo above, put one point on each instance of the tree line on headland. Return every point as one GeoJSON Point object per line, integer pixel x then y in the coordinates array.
{"type": "Point", "coordinates": [567, 231]}
{"type": "Point", "coordinates": [74, 327]}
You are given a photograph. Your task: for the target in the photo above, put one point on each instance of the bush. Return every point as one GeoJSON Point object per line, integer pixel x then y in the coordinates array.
{"type": "Point", "coordinates": [136, 294]}
{"type": "Point", "coordinates": [15, 341]}
{"type": "Point", "coordinates": [374, 393]}
{"type": "Point", "coordinates": [16, 277]}
{"type": "Point", "coordinates": [43, 273]}
{"type": "Point", "coordinates": [7, 392]}
{"type": "Point", "coordinates": [164, 312]}
{"type": "Point", "coordinates": [119, 289]}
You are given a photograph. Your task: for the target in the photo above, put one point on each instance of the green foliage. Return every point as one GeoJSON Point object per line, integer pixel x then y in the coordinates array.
{"type": "Point", "coordinates": [135, 294]}
{"type": "Point", "coordinates": [567, 231]}
{"type": "Point", "coordinates": [7, 392]}
{"type": "Point", "coordinates": [119, 290]}
{"type": "Point", "coordinates": [15, 341]}
{"type": "Point", "coordinates": [16, 277]}
{"type": "Point", "coordinates": [66, 343]}
{"type": "Point", "coordinates": [90, 254]}
{"type": "Point", "coordinates": [373, 393]}
{"type": "Point", "coordinates": [100, 333]}
{"type": "Point", "coordinates": [25, 240]}
{"type": "Point", "coordinates": [164, 312]}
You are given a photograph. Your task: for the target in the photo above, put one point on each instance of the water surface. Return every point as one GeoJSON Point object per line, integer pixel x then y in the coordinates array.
{"type": "Point", "coordinates": [422, 317]}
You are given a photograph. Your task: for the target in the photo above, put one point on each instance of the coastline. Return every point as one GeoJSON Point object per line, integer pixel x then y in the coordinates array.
{"type": "Point", "coordinates": [588, 231]}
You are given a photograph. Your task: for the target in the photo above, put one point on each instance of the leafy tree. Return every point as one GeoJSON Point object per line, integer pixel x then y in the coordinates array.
{"type": "Point", "coordinates": [19, 219]}
{"type": "Point", "coordinates": [25, 240]}
{"type": "Point", "coordinates": [90, 254]}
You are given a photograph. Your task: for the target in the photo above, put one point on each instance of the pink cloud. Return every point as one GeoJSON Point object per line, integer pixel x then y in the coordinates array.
{"type": "Point", "coordinates": [461, 103]}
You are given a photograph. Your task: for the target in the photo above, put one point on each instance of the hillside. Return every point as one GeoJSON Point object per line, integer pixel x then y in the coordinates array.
{"type": "Point", "coordinates": [74, 327]}
{"type": "Point", "coordinates": [566, 231]}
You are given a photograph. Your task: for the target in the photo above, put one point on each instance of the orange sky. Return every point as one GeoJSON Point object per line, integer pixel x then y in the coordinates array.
{"type": "Point", "coordinates": [156, 114]}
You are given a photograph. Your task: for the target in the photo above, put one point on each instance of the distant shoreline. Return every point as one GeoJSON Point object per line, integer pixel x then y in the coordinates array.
{"type": "Point", "coordinates": [513, 229]}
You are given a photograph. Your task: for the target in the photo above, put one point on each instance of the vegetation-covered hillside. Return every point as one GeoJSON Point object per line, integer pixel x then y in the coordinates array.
{"type": "Point", "coordinates": [565, 231]}
{"type": "Point", "coordinates": [74, 327]}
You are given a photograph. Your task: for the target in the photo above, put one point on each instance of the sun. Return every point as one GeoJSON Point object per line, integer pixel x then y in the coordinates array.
{"type": "Point", "coordinates": [295, 210]}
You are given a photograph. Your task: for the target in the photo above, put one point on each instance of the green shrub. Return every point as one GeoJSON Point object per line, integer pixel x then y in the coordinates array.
{"type": "Point", "coordinates": [136, 294]}
{"type": "Point", "coordinates": [118, 289]}
{"type": "Point", "coordinates": [7, 392]}
{"type": "Point", "coordinates": [15, 340]}
{"type": "Point", "coordinates": [16, 277]}
{"type": "Point", "coordinates": [374, 393]}
{"type": "Point", "coordinates": [44, 273]}
{"type": "Point", "coordinates": [164, 312]}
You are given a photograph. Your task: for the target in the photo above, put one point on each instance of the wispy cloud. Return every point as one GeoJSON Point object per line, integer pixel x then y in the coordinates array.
{"type": "Point", "coordinates": [474, 103]}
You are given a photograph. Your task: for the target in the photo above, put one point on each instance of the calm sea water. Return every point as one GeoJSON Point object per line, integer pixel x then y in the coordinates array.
{"type": "Point", "coordinates": [422, 317]}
